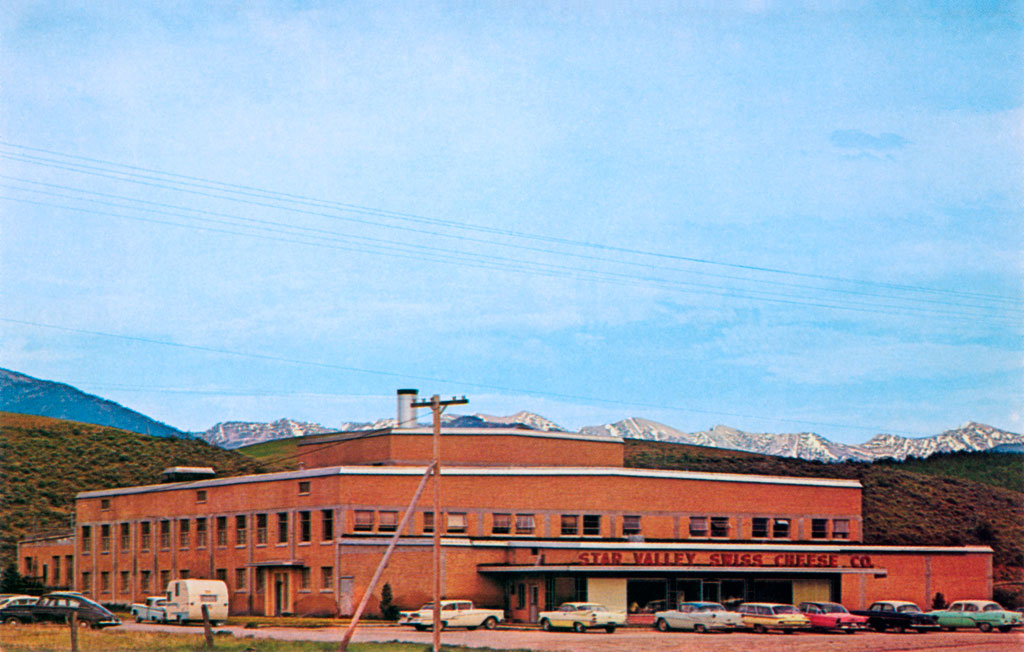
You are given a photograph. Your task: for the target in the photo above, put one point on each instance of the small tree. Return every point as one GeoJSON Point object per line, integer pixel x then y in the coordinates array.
{"type": "Point", "coordinates": [388, 610]}
{"type": "Point", "coordinates": [939, 602]}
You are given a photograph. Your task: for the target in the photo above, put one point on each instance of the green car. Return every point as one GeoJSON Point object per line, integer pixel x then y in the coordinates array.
{"type": "Point", "coordinates": [983, 614]}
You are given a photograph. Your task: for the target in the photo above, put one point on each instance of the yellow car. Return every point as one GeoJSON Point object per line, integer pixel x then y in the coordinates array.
{"type": "Point", "coordinates": [763, 616]}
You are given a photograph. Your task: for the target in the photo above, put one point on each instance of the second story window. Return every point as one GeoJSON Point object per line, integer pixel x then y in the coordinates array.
{"type": "Point", "coordinates": [456, 522]}
{"type": "Point", "coordinates": [720, 526]}
{"type": "Point", "coordinates": [819, 528]}
{"type": "Point", "coordinates": [201, 532]}
{"type": "Point", "coordinates": [327, 521]}
{"type": "Point", "coordinates": [145, 536]}
{"type": "Point", "coordinates": [201, 496]}
{"type": "Point", "coordinates": [104, 504]}
{"type": "Point", "coordinates": [241, 530]}
{"type": "Point", "coordinates": [570, 525]}
{"type": "Point", "coordinates": [86, 539]}
{"type": "Point", "coordinates": [165, 535]}
{"type": "Point", "coordinates": [428, 522]}
{"type": "Point", "coordinates": [364, 520]}
{"type": "Point", "coordinates": [388, 521]}
{"type": "Point", "coordinates": [305, 527]}
{"type": "Point", "coordinates": [525, 524]}
{"type": "Point", "coordinates": [841, 528]}
{"type": "Point", "coordinates": [698, 526]}
{"type": "Point", "coordinates": [780, 528]}
{"type": "Point", "coordinates": [282, 527]}
{"type": "Point", "coordinates": [304, 487]}
{"type": "Point", "coordinates": [591, 525]}
{"type": "Point", "coordinates": [501, 524]}
{"type": "Point", "coordinates": [759, 528]}
{"type": "Point", "coordinates": [630, 525]}
{"type": "Point", "coordinates": [126, 537]}
{"type": "Point", "coordinates": [105, 538]}
{"type": "Point", "coordinates": [184, 532]}
{"type": "Point", "coordinates": [261, 529]}
{"type": "Point", "coordinates": [222, 530]}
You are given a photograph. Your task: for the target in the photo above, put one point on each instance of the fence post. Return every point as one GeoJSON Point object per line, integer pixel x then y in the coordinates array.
{"type": "Point", "coordinates": [74, 631]}
{"type": "Point", "coordinates": [206, 627]}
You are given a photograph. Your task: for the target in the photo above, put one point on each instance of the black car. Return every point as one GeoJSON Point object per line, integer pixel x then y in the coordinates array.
{"type": "Point", "coordinates": [898, 615]}
{"type": "Point", "coordinates": [57, 608]}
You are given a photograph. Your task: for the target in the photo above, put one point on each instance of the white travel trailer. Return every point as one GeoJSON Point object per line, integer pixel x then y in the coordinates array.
{"type": "Point", "coordinates": [185, 600]}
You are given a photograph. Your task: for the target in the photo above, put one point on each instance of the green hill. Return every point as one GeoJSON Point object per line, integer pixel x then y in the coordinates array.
{"type": "Point", "coordinates": [900, 506]}
{"type": "Point", "coordinates": [44, 462]}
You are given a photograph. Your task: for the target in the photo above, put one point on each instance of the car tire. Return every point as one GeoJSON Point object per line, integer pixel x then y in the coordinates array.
{"type": "Point", "coordinates": [471, 627]}
{"type": "Point", "coordinates": [789, 630]}
{"type": "Point", "coordinates": [420, 628]}
{"type": "Point", "coordinates": [545, 625]}
{"type": "Point", "coordinates": [662, 625]}
{"type": "Point", "coordinates": [985, 627]}
{"type": "Point", "coordinates": [579, 628]}
{"type": "Point", "coordinates": [1005, 628]}
{"type": "Point", "coordinates": [700, 629]}
{"type": "Point", "coordinates": [138, 619]}
{"type": "Point", "coordinates": [878, 627]}
{"type": "Point", "coordinates": [610, 629]}
{"type": "Point", "coordinates": [760, 629]}
{"type": "Point", "coordinates": [900, 629]}
{"type": "Point", "coordinates": [490, 623]}
{"type": "Point", "coordinates": [11, 620]}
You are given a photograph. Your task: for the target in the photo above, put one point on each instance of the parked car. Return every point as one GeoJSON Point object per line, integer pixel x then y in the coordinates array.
{"type": "Point", "coordinates": [699, 617]}
{"type": "Point", "coordinates": [763, 616]}
{"type": "Point", "coordinates": [454, 613]}
{"type": "Point", "coordinates": [58, 607]}
{"type": "Point", "coordinates": [16, 599]}
{"type": "Point", "coordinates": [154, 609]}
{"type": "Point", "coordinates": [898, 615]}
{"type": "Point", "coordinates": [832, 615]}
{"type": "Point", "coordinates": [581, 616]}
{"type": "Point", "coordinates": [983, 614]}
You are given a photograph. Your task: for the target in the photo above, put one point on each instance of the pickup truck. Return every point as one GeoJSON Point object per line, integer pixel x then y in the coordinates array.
{"type": "Point", "coordinates": [580, 616]}
{"type": "Point", "coordinates": [454, 613]}
{"type": "Point", "coordinates": [898, 615]}
{"type": "Point", "coordinates": [154, 609]}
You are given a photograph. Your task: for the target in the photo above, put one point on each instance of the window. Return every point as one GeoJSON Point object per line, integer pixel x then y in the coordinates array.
{"type": "Point", "coordinates": [819, 528]}
{"type": "Point", "coordinates": [126, 581]}
{"type": "Point", "coordinates": [105, 538]}
{"type": "Point", "coordinates": [165, 535]}
{"type": "Point", "coordinates": [86, 539]}
{"type": "Point", "coordinates": [570, 525]}
{"type": "Point", "coordinates": [105, 581]}
{"type": "Point", "coordinates": [428, 522]}
{"type": "Point", "coordinates": [630, 525]}
{"type": "Point", "coordinates": [364, 520]}
{"type": "Point", "coordinates": [327, 520]}
{"type": "Point", "coordinates": [759, 529]}
{"type": "Point", "coordinates": [184, 528]}
{"type": "Point", "coordinates": [201, 532]}
{"type": "Point", "coordinates": [261, 529]}
{"type": "Point", "coordinates": [145, 535]}
{"type": "Point", "coordinates": [304, 487]}
{"type": "Point", "coordinates": [56, 569]}
{"type": "Point", "coordinates": [305, 527]}
{"type": "Point", "coordinates": [221, 574]}
{"type": "Point", "coordinates": [69, 569]}
{"type": "Point", "coordinates": [841, 528]}
{"type": "Point", "coordinates": [456, 522]}
{"type": "Point", "coordinates": [282, 527]}
{"type": "Point", "coordinates": [698, 526]}
{"type": "Point", "coordinates": [126, 537]}
{"type": "Point", "coordinates": [591, 525]}
{"type": "Point", "coordinates": [780, 529]}
{"type": "Point", "coordinates": [222, 530]}
{"type": "Point", "coordinates": [105, 504]}
{"type": "Point", "coordinates": [388, 521]}
{"type": "Point", "coordinates": [165, 579]}
{"type": "Point", "coordinates": [146, 577]}
{"type": "Point", "coordinates": [185, 574]}
{"type": "Point", "coordinates": [326, 578]}
{"type": "Point", "coordinates": [501, 524]}
{"type": "Point", "coordinates": [241, 530]}
{"type": "Point", "coordinates": [261, 580]}
{"type": "Point", "coordinates": [201, 496]}
{"type": "Point", "coordinates": [720, 526]}
{"type": "Point", "coordinates": [304, 578]}
{"type": "Point", "coordinates": [525, 524]}
{"type": "Point", "coordinates": [240, 579]}
{"type": "Point", "coordinates": [87, 581]}
{"type": "Point", "coordinates": [521, 596]}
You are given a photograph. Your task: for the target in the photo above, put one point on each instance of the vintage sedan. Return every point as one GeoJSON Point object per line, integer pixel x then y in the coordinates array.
{"type": "Point", "coordinates": [764, 616]}
{"type": "Point", "coordinates": [898, 615]}
{"type": "Point", "coordinates": [16, 600]}
{"type": "Point", "coordinates": [983, 614]}
{"type": "Point", "coordinates": [454, 613]}
{"type": "Point", "coordinates": [699, 617]}
{"type": "Point", "coordinates": [59, 607]}
{"type": "Point", "coordinates": [581, 616]}
{"type": "Point", "coordinates": [832, 616]}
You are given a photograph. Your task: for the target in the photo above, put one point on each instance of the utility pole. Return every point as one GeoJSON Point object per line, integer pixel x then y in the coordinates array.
{"type": "Point", "coordinates": [437, 406]}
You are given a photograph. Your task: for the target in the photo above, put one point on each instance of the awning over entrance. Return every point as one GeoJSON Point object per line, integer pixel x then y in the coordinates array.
{"type": "Point", "coordinates": [278, 563]}
{"type": "Point", "coordinates": [630, 569]}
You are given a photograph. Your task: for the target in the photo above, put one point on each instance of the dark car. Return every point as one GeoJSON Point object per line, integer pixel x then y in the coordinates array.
{"type": "Point", "coordinates": [57, 608]}
{"type": "Point", "coordinates": [898, 615]}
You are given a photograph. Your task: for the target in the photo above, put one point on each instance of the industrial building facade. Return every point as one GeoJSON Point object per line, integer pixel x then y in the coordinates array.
{"type": "Point", "coordinates": [529, 519]}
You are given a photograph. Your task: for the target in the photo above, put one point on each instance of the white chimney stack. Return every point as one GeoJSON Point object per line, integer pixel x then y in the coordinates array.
{"type": "Point", "coordinates": [406, 412]}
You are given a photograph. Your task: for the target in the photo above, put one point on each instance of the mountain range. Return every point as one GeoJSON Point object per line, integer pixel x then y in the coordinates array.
{"type": "Point", "coordinates": [23, 394]}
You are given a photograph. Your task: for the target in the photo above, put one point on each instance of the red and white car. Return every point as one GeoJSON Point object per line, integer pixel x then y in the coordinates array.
{"type": "Point", "coordinates": [832, 616]}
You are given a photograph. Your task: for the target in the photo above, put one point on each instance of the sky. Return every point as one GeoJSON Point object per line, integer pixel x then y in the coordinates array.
{"type": "Point", "coordinates": [777, 216]}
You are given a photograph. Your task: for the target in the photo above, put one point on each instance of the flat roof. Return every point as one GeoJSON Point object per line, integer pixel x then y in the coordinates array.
{"type": "Point", "coordinates": [464, 471]}
{"type": "Point", "coordinates": [466, 432]}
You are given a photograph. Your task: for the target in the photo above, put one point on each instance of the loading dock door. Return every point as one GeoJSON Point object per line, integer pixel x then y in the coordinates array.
{"type": "Point", "coordinates": [609, 591]}
{"type": "Point", "coordinates": [812, 590]}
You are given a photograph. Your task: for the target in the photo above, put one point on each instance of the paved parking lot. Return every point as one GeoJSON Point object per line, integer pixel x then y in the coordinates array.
{"type": "Point", "coordinates": [648, 640]}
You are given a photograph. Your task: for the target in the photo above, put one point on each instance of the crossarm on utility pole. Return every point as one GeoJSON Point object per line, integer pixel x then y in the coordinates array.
{"type": "Point", "coordinates": [387, 556]}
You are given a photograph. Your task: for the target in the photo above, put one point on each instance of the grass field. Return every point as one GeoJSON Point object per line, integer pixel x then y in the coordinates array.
{"type": "Point", "coordinates": [52, 638]}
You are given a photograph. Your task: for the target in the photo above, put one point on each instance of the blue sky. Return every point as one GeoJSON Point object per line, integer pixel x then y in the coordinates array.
{"type": "Point", "coordinates": [776, 216]}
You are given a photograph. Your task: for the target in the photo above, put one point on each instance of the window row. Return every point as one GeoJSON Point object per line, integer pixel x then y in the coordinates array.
{"type": "Point", "coordinates": [238, 580]}
{"type": "Point", "coordinates": [718, 527]}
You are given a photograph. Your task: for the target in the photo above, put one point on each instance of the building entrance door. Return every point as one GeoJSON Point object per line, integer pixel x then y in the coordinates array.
{"type": "Point", "coordinates": [534, 602]}
{"type": "Point", "coordinates": [711, 591]}
{"type": "Point", "coordinates": [280, 594]}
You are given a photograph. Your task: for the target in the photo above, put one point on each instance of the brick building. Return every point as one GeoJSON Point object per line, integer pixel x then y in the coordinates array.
{"type": "Point", "coordinates": [529, 519]}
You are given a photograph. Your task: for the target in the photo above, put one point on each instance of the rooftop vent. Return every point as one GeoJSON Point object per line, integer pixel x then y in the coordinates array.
{"type": "Point", "coordinates": [186, 473]}
{"type": "Point", "coordinates": [406, 412]}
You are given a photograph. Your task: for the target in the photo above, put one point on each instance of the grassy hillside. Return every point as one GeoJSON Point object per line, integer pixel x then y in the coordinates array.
{"type": "Point", "coordinates": [900, 506]}
{"type": "Point", "coordinates": [44, 462]}
{"type": "Point", "coordinates": [1004, 470]}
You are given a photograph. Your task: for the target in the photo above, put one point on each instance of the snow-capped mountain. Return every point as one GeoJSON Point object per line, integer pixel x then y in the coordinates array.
{"type": "Point", "coordinates": [233, 434]}
{"type": "Point", "coordinates": [811, 446]}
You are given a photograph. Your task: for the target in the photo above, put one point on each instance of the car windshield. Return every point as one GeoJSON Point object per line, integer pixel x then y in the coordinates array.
{"type": "Point", "coordinates": [785, 609]}
{"type": "Point", "coordinates": [712, 607]}
{"type": "Point", "coordinates": [833, 608]}
{"type": "Point", "coordinates": [908, 609]}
